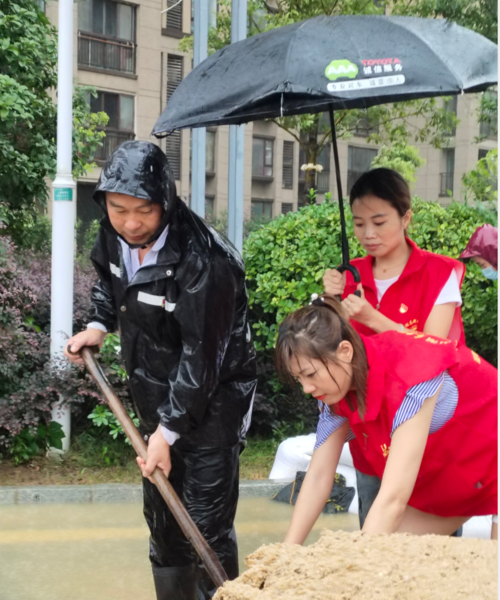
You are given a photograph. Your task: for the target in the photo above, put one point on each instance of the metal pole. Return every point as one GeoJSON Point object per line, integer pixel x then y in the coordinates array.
{"type": "Point", "coordinates": [236, 142]}
{"type": "Point", "coordinates": [63, 208]}
{"type": "Point", "coordinates": [344, 242]}
{"type": "Point", "coordinates": [199, 135]}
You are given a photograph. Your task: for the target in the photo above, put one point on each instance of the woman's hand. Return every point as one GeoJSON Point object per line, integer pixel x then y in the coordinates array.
{"type": "Point", "coordinates": [158, 456]}
{"type": "Point", "coordinates": [358, 308]}
{"type": "Point", "coordinates": [334, 282]}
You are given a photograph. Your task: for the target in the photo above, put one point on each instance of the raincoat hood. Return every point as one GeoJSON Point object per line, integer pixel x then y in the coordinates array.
{"type": "Point", "coordinates": [138, 169]}
{"type": "Point", "coordinates": [483, 243]}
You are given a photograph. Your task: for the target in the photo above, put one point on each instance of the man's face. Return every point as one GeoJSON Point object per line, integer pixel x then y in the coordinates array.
{"type": "Point", "coordinates": [135, 219]}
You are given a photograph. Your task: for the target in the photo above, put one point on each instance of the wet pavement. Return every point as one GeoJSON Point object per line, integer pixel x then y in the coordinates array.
{"type": "Point", "coordinates": [99, 551]}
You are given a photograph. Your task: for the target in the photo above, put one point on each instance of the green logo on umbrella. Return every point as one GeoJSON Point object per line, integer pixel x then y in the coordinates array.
{"type": "Point", "coordinates": [341, 68]}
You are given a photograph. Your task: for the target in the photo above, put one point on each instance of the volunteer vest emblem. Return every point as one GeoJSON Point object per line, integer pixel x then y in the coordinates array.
{"type": "Point", "coordinates": [403, 308]}
{"type": "Point", "coordinates": [385, 450]}
{"type": "Point", "coordinates": [476, 357]}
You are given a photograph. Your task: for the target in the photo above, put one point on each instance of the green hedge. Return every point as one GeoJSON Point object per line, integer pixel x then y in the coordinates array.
{"type": "Point", "coordinates": [285, 261]}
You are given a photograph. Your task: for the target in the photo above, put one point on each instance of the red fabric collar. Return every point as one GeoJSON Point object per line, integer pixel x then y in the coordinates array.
{"type": "Point", "coordinates": [416, 261]}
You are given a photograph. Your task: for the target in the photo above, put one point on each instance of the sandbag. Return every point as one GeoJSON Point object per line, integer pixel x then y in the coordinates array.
{"type": "Point", "coordinates": [339, 500]}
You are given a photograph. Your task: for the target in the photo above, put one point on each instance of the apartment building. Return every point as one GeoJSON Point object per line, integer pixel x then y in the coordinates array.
{"type": "Point", "coordinates": [129, 51]}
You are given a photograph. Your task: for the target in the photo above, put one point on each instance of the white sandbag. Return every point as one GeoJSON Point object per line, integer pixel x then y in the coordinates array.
{"type": "Point", "coordinates": [294, 454]}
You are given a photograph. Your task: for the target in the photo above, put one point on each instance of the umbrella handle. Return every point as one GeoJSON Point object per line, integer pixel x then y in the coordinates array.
{"type": "Point", "coordinates": [355, 273]}
{"type": "Point", "coordinates": [207, 555]}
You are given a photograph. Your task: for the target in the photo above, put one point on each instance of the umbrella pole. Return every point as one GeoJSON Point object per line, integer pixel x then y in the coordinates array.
{"type": "Point", "coordinates": [344, 242]}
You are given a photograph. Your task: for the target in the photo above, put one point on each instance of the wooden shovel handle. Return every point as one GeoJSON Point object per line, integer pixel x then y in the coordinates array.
{"type": "Point", "coordinates": [207, 555]}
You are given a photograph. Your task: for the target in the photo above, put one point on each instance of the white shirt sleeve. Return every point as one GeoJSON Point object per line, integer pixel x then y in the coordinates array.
{"type": "Point", "coordinates": [170, 436]}
{"type": "Point", "coordinates": [97, 325]}
{"type": "Point", "coordinates": [450, 291]}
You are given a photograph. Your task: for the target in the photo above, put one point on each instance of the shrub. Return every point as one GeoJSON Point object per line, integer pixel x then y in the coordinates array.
{"type": "Point", "coordinates": [286, 259]}
{"type": "Point", "coordinates": [29, 443]}
{"type": "Point", "coordinates": [29, 383]}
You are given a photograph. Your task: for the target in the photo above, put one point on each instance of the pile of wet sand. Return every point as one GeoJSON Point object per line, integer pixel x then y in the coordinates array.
{"type": "Point", "coordinates": [342, 566]}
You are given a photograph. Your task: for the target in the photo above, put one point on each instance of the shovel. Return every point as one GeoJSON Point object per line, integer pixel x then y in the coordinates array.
{"type": "Point", "coordinates": [207, 555]}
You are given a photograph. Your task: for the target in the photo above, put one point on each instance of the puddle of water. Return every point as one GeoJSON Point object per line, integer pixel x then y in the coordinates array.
{"type": "Point", "coordinates": [99, 551]}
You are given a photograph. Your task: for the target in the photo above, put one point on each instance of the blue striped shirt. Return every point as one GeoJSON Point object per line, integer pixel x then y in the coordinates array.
{"type": "Point", "coordinates": [446, 404]}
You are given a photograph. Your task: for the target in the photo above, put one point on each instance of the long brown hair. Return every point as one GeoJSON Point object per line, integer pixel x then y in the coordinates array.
{"type": "Point", "coordinates": [316, 331]}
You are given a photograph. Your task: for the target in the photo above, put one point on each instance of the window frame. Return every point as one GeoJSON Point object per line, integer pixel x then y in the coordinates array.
{"type": "Point", "coordinates": [287, 167]}
{"type": "Point", "coordinates": [353, 174]}
{"type": "Point", "coordinates": [212, 133]}
{"type": "Point", "coordinates": [117, 132]}
{"type": "Point", "coordinates": [106, 36]}
{"type": "Point", "coordinates": [262, 177]}
{"type": "Point", "coordinates": [263, 202]}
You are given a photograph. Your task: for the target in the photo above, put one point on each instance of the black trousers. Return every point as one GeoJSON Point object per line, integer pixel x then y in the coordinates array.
{"type": "Point", "coordinates": [206, 481]}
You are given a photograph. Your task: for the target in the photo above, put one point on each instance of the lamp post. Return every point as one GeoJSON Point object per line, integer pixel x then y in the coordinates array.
{"type": "Point", "coordinates": [236, 142]}
{"type": "Point", "coordinates": [199, 135]}
{"type": "Point", "coordinates": [63, 209]}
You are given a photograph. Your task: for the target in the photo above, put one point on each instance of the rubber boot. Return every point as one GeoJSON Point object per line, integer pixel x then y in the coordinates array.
{"type": "Point", "coordinates": [176, 583]}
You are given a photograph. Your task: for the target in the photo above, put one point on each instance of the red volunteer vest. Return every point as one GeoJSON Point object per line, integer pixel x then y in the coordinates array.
{"type": "Point", "coordinates": [408, 301]}
{"type": "Point", "coordinates": [458, 474]}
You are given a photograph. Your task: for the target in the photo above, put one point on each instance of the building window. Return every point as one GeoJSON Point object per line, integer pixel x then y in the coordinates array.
{"type": "Point", "coordinates": [106, 36]}
{"type": "Point", "coordinates": [209, 205]}
{"type": "Point", "coordinates": [287, 183]}
{"type": "Point", "coordinates": [86, 210]}
{"type": "Point", "coordinates": [172, 18]}
{"type": "Point", "coordinates": [493, 179]}
{"type": "Point", "coordinates": [359, 161]}
{"type": "Point", "coordinates": [175, 72]}
{"type": "Point", "coordinates": [365, 127]}
{"type": "Point", "coordinates": [262, 210]}
{"type": "Point", "coordinates": [286, 207]}
{"type": "Point", "coordinates": [323, 177]}
{"type": "Point", "coordinates": [322, 184]}
{"type": "Point", "coordinates": [120, 127]}
{"type": "Point", "coordinates": [40, 5]}
{"type": "Point", "coordinates": [210, 153]}
{"type": "Point", "coordinates": [448, 172]}
{"type": "Point", "coordinates": [262, 157]}
{"type": "Point", "coordinates": [488, 127]}
{"type": "Point", "coordinates": [450, 106]}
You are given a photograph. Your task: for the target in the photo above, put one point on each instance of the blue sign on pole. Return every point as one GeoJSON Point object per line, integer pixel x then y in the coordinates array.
{"type": "Point", "coordinates": [65, 194]}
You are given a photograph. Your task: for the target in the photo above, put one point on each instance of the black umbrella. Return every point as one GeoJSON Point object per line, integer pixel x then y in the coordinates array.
{"type": "Point", "coordinates": [327, 64]}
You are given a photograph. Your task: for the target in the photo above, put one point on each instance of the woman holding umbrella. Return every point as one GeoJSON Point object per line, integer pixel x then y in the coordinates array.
{"type": "Point", "coordinates": [402, 287]}
{"type": "Point", "coordinates": [398, 393]}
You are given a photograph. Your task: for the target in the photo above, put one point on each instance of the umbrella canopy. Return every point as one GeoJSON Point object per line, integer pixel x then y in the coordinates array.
{"type": "Point", "coordinates": [333, 63]}
{"type": "Point", "coordinates": [328, 64]}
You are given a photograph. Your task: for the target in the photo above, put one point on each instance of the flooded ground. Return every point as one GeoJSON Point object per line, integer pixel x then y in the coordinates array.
{"type": "Point", "coordinates": [99, 551]}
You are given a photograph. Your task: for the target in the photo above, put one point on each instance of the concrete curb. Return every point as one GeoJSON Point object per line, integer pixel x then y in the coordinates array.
{"type": "Point", "coordinates": [114, 492]}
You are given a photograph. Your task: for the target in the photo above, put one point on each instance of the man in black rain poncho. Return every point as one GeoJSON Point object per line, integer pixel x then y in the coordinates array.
{"type": "Point", "coordinates": [176, 291]}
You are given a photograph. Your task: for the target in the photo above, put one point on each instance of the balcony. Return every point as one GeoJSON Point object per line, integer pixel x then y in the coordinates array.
{"type": "Point", "coordinates": [112, 140]}
{"type": "Point", "coordinates": [101, 53]}
{"type": "Point", "coordinates": [446, 183]}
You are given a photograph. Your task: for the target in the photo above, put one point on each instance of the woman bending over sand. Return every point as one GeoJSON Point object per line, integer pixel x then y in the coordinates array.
{"type": "Point", "coordinates": [423, 409]}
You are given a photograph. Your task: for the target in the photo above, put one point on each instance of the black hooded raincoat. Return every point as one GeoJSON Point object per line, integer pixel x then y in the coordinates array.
{"type": "Point", "coordinates": [183, 321]}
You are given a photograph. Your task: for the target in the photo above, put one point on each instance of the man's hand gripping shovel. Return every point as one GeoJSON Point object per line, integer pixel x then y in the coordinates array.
{"type": "Point", "coordinates": [210, 560]}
